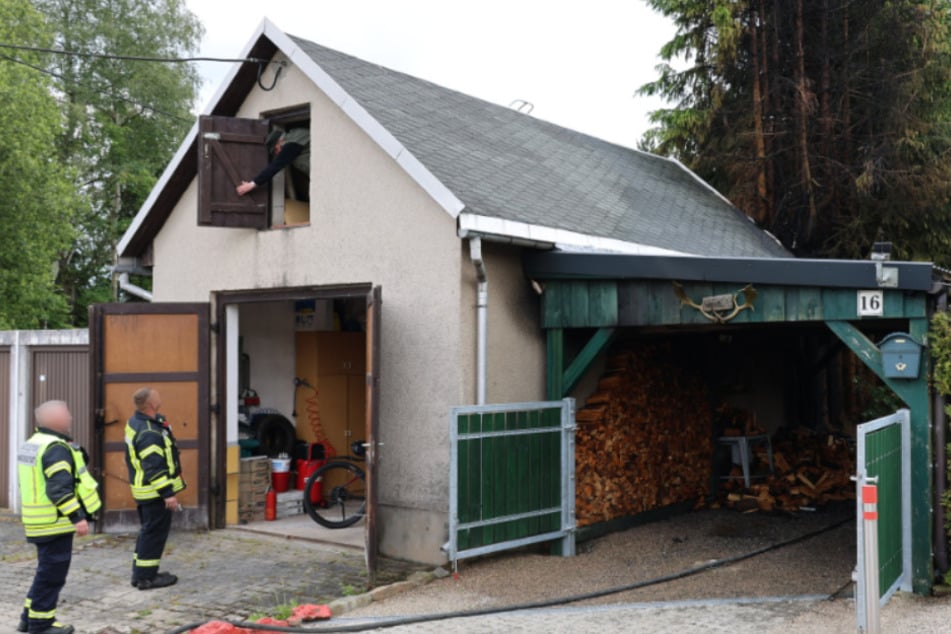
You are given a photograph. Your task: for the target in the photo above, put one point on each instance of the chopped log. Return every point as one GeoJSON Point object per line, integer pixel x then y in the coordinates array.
{"type": "Point", "coordinates": [644, 437]}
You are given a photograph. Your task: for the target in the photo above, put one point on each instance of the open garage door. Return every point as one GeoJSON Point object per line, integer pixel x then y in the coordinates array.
{"type": "Point", "coordinates": [164, 346]}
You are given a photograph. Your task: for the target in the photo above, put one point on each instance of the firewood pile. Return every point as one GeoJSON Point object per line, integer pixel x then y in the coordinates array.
{"type": "Point", "coordinates": [643, 439]}
{"type": "Point", "coordinates": [811, 469]}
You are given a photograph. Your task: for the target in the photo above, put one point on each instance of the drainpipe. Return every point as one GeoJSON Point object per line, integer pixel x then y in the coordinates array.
{"type": "Point", "coordinates": [132, 289]}
{"type": "Point", "coordinates": [482, 308]}
{"type": "Point", "coordinates": [940, 469]}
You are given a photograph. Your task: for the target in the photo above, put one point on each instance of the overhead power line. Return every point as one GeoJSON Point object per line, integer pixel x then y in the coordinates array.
{"type": "Point", "coordinates": [135, 58]}
{"type": "Point", "coordinates": [107, 93]}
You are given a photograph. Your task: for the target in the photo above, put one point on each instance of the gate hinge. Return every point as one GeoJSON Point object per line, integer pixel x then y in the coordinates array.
{"type": "Point", "coordinates": [213, 327]}
{"type": "Point", "coordinates": [213, 408]}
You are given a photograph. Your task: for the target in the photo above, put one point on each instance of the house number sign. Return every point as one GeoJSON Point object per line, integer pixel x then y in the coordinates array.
{"type": "Point", "coordinates": [871, 303]}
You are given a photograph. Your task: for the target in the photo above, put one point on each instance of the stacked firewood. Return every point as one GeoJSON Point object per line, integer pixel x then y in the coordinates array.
{"type": "Point", "coordinates": [811, 469]}
{"type": "Point", "coordinates": [643, 438]}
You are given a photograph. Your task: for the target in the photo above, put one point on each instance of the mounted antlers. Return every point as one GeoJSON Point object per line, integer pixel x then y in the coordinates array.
{"type": "Point", "coordinates": [749, 296]}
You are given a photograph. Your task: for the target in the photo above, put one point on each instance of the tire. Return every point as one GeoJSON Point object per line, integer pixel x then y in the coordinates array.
{"type": "Point", "coordinates": [342, 500]}
{"type": "Point", "coordinates": [275, 434]}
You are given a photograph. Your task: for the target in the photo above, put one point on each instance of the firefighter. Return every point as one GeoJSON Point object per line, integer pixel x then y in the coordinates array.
{"type": "Point", "coordinates": [155, 474]}
{"type": "Point", "coordinates": [58, 496]}
{"type": "Point", "coordinates": [290, 148]}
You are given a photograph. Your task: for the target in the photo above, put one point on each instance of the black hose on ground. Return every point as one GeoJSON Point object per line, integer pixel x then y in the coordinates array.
{"type": "Point", "coordinates": [534, 605]}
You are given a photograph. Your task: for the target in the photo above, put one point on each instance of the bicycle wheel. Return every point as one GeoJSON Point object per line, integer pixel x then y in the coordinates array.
{"type": "Point", "coordinates": [341, 493]}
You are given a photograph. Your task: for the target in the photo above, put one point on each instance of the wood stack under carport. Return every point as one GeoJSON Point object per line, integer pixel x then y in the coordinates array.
{"type": "Point", "coordinates": [644, 437]}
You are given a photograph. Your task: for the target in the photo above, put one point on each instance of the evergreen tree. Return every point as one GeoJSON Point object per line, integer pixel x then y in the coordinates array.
{"type": "Point", "coordinates": [826, 121]}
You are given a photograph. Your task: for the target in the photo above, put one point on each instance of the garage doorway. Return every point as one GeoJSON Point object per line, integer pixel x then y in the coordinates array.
{"type": "Point", "coordinates": [299, 379]}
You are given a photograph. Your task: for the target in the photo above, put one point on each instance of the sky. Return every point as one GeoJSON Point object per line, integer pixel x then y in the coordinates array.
{"type": "Point", "coordinates": [578, 63]}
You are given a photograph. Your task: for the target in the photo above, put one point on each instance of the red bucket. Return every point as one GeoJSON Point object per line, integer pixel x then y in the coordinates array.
{"type": "Point", "coordinates": [307, 466]}
{"type": "Point", "coordinates": [281, 481]}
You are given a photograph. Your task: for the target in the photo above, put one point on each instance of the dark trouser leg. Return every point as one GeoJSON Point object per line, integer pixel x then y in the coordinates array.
{"type": "Point", "coordinates": [156, 522]}
{"type": "Point", "coordinates": [52, 566]}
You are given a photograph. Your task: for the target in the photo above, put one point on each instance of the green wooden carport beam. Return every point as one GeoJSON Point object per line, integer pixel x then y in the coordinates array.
{"type": "Point", "coordinates": [555, 364]}
{"type": "Point", "coordinates": [915, 395]}
{"type": "Point", "coordinates": [601, 339]}
{"type": "Point", "coordinates": [561, 380]}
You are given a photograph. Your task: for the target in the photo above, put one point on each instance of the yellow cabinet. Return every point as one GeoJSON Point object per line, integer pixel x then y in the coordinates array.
{"type": "Point", "coordinates": [335, 364]}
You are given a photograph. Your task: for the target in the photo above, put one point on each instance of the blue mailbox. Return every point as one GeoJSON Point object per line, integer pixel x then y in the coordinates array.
{"type": "Point", "coordinates": [901, 356]}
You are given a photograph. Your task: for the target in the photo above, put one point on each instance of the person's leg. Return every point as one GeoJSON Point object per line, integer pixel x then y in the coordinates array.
{"type": "Point", "coordinates": [156, 522]}
{"type": "Point", "coordinates": [53, 558]}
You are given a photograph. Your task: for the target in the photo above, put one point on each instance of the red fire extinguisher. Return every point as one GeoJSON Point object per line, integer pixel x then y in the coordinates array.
{"type": "Point", "coordinates": [270, 505]}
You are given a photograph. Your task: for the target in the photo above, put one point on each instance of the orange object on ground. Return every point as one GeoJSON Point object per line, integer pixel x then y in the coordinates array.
{"type": "Point", "coordinates": [309, 612]}
{"type": "Point", "coordinates": [219, 627]}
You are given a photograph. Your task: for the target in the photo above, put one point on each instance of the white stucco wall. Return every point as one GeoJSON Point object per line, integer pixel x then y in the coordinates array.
{"type": "Point", "coordinates": [515, 354]}
{"type": "Point", "coordinates": [267, 336]}
{"type": "Point", "coordinates": [370, 223]}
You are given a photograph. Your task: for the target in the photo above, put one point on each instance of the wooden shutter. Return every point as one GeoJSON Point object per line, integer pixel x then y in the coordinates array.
{"type": "Point", "coordinates": [231, 150]}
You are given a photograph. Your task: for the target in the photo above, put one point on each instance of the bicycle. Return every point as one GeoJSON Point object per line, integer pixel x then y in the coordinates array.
{"type": "Point", "coordinates": [341, 490]}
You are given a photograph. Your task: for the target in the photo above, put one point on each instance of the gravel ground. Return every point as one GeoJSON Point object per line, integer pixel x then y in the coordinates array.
{"type": "Point", "coordinates": [821, 565]}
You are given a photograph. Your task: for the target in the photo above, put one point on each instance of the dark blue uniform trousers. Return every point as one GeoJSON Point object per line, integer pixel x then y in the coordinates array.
{"type": "Point", "coordinates": [52, 566]}
{"type": "Point", "coordinates": [156, 523]}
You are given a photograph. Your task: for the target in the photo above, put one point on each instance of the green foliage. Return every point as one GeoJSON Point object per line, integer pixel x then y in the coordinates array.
{"type": "Point", "coordinates": [39, 200]}
{"type": "Point", "coordinates": [939, 340]}
{"type": "Point", "coordinates": [123, 120]}
{"type": "Point", "coordinates": [828, 123]}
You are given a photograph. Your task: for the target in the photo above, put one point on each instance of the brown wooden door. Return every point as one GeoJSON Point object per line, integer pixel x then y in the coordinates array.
{"type": "Point", "coordinates": [231, 150]}
{"type": "Point", "coordinates": [164, 346]}
{"type": "Point", "coordinates": [374, 302]}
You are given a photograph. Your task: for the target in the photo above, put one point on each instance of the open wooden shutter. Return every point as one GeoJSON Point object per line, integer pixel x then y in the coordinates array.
{"type": "Point", "coordinates": [231, 150]}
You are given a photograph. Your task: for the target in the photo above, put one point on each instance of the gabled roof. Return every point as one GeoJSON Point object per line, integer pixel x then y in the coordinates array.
{"type": "Point", "coordinates": [502, 173]}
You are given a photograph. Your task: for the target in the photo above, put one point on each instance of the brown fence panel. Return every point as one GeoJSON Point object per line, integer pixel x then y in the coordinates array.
{"type": "Point", "coordinates": [62, 373]}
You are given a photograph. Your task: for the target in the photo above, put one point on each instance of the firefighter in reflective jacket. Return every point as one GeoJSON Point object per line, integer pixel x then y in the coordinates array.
{"type": "Point", "coordinates": [156, 477]}
{"type": "Point", "coordinates": [57, 496]}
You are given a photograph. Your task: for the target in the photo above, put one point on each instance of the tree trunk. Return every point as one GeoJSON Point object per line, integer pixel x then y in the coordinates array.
{"type": "Point", "coordinates": [804, 100]}
{"type": "Point", "coordinates": [760, 208]}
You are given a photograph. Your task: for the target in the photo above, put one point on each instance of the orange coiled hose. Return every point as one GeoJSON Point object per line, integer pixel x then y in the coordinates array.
{"type": "Point", "coordinates": [316, 425]}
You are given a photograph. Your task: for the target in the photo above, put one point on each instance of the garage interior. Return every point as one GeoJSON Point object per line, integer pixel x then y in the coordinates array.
{"type": "Point", "coordinates": [301, 391]}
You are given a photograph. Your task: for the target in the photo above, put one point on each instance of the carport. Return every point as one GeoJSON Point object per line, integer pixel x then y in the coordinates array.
{"type": "Point", "coordinates": [589, 299]}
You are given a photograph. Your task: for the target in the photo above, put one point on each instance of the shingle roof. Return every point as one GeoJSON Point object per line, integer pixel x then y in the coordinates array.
{"type": "Point", "coordinates": [505, 164]}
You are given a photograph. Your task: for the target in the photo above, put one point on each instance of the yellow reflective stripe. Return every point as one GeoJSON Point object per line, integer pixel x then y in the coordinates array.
{"type": "Point", "coordinates": [70, 506]}
{"type": "Point", "coordinates": [62, 465]}
{"type": "Point", "coordinates": [151, 449]}
{"type": "Point", "coordinates": [147, 563]}
{"type": "Point", "coordinates": [62, 526]}
{"type": "Point", "coordinates": [42, 615]}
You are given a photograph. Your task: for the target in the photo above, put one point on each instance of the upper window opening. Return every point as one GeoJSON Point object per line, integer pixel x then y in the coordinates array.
{"type": "Point", "coordinates": [255, 173]}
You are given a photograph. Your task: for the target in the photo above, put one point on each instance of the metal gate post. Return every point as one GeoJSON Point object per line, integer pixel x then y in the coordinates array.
{"type": "Point", "coordinates": [871, 580]}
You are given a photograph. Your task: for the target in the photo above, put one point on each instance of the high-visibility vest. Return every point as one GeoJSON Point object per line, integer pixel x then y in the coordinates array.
{"type": "Point", "coordinates": [142, 490]}
{"type": "Point", "coordinates": [40, 516]}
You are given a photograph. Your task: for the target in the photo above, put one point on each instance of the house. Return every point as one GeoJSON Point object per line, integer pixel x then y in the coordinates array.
{"type": "Point", "coordinates": [428, 200]}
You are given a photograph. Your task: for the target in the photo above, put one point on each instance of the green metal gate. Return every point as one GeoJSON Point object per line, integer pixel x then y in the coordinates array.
{"type": "Point", "coordinates": [883, 452]}
{"type": "Point", "coordinates": [511, 477]}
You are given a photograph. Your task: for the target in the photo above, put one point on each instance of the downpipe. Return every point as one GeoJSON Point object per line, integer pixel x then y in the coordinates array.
{"type": "Point", "coordinates": [132, 289]}
{"type": "Point", "coordinates": [482, 322]}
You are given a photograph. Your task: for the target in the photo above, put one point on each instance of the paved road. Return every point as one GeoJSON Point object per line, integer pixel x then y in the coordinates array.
{"type": "Point", "coordinates": [223, 574]}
